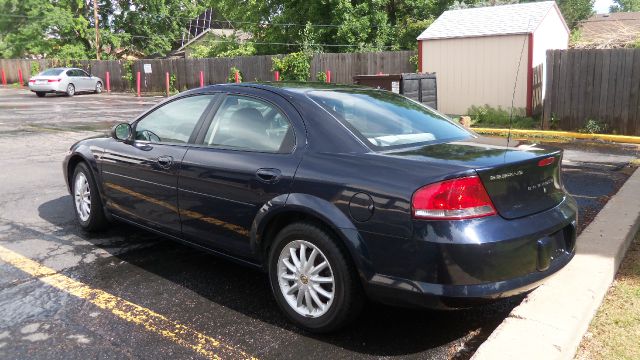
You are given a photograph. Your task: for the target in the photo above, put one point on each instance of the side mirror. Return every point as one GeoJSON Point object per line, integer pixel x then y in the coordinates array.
{"type": "Point", "coordinates": [122, 132]}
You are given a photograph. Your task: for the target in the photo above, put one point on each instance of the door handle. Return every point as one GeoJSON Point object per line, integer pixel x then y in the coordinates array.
{"type": "Point", "coordinates": [165, 161]}
{"type": "Point", "coordinates": [269, 176]}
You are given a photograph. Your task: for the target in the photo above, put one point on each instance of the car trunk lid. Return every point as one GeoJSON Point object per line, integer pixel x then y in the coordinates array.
{"type": "Point", "coordinates": [521, 180]}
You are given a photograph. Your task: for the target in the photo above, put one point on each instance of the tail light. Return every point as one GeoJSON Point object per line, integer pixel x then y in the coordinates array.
{"type": "Point", "coordinates": [32, 81]}
{"type": "Point", "coordinates": [462, 198]}
{"type": "Point", "coordinates": [53, 80]}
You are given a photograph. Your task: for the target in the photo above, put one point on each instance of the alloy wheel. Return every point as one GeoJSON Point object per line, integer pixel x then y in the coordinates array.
{"type": "Point", "coordinates": [82, 195]}
{"type": "Point", "coordinates": [71, 89]}
{"type": "Point", "coordinates": [306, 278]}
{"type": "Point", "coordinates": [99, 87]}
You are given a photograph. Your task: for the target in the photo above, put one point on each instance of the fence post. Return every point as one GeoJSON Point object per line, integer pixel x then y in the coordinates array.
{"type": "Point", "coordinates": [108, 82]}
{"type": "Point", "coordinates": [201, 78]}
{"type": "Point", "coordinates": [138, 82]}
{"type": "Point", "coordinates": [237, 76]}
{"type": "Point", "coordinates": [167, 82]}
{"type": "Point", "coordinates": [4, 78]}
{"type": "Point", "coordinates": [20, 76]}
{"type": "Point", "coordinates": [276, 74]}
{"type": "Point", "coordinates": [328, 76]}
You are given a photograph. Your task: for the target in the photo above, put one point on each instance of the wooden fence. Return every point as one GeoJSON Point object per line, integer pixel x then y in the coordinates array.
{"type": "Point", "coordinates": [343, 66]}
{"type": "Point", "coordinates": [601, 85]}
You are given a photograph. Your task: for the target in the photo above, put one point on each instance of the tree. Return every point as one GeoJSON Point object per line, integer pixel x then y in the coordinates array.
{"type": "Point", "coordinates": [625, 5]}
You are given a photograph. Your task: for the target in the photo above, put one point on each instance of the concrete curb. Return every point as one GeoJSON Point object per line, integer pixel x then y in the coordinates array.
{"type": "Point", "coordinates": [565, 134]}
{"type": "Point", "coordinates": [551, 321]}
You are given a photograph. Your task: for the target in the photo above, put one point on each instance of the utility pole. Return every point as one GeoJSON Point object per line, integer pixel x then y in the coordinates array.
{"type": "Point", "coordinates": [95, 20]}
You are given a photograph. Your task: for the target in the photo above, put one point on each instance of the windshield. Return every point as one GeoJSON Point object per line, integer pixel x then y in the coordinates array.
{"type": "Point", "coordinates": [386, 119]}
{"type": "Point", "coordinates": [51, 72]}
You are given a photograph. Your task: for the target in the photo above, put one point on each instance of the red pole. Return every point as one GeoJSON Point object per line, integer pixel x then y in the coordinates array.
{"type": "Point", "coordinates": [138, 82]}
{"type": "Point", "coordinates": [277, 75]}
{"type": "Point", "coordinates": [20, 76]}
{"type": "Point", "coordinates": [328, 76]}
{"type": "Point", "coordinates": [201, 78]}
{"type": "Point", "coordinates": [167, 81]}
{"type": "Point", "coordinates": [108, 83]}
{"type": "Point", "coordinates": [237, 76]}
{"type": "Point", "coordinates": [4, 78]}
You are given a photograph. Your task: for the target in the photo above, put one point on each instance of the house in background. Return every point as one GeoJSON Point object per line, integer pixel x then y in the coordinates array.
{"type": "Point", "coordinates": [205, 29]}
{"type": "Point", "coordinates": [608, 31]}
{"type": "Point", "coordinates": [480, 54]}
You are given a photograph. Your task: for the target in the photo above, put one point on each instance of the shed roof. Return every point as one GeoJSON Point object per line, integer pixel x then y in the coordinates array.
{"type": "Point", "coordinates": [609, 30]}
{"type": "Point", "coordinates": [492, 20]}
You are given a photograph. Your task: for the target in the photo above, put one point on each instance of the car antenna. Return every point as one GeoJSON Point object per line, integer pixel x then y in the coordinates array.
{"type": "Point", "coordinates": [515, 84]}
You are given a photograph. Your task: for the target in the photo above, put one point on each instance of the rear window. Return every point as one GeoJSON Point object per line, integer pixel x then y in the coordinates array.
{"type": "Point", "coordinates": [386, 120]}
{"type": "Point", "coordinates": [51, 72]}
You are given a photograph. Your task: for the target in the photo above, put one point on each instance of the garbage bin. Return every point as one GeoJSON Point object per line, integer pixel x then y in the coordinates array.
{"type": "Point", "coordinates": [420, 87]}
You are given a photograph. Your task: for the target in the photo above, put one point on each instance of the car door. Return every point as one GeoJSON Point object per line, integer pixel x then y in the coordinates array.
{"type": "Point", "coordinates": [85, 79]}
{"type": "Point", "coordinates": [246, 156]}
{"type": "Point", "coordinates": [140, 176]}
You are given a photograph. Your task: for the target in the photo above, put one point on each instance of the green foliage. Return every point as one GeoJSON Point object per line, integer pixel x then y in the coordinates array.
{"type": "Point", "coordinates": [625, 5]}
{"type": "Point", "coordinates": [218, 47]}
{"type": "Point", "coordinates": [127, 65]}
{"type": "Point", "coordinates": [321, 76]}
{"type": "Point", "coordinates": [407, 31]}
{"type": "Point", "coordinates": [595, 127]}
{"type": "Point", "coordinates": [232, 75]}
{"type": "Point", "coordinates": [575, 10]}
{"type": "Point", "coordinates": [172, 84]}
{"type": "Point", "coordinates": [35, 68]}
{"type": "Point", "coordinates": [487, 116]}
{"type": "Point", "coordinates": [575, 36]}
{"type": "Point", "coordinates": [295, 66]}
{"type": "Point", "coordinates": [413, 59]}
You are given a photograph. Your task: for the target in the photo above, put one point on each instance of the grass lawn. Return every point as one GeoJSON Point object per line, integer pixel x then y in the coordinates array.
{"type": "Point", "coordinates": [615, 331]}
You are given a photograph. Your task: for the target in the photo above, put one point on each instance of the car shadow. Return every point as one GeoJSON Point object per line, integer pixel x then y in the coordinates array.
{"type": "Point", "coordinates": [380, 330]}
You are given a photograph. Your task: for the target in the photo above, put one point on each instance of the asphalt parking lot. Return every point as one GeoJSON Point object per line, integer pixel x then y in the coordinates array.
{"type": "Point", "coordinates": [127, 293]}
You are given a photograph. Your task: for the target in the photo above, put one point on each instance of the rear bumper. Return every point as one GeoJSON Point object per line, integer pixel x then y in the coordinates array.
{"type": "Point", "coordinates": [49, 87]}
{"type": "Point", "coordinates": [462, 263]}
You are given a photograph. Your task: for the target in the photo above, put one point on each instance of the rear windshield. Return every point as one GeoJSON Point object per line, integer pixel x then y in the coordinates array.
{"type": "Point", "coordinates": [387, 120]}
{"type": "Point", "coordinates": [51, 72]}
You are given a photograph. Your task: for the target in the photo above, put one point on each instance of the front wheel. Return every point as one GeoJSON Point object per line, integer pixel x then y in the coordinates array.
{"type": "Point", "coordinates": [71, 90]}
{"type": "Point", "coordinates": [98, 87]}
{"type": "Point", "coordinates": [86, 200]}
{"type": "Point", "coordinates": [40, 94]}
{"type": "Point", "coordinates": [312, 278]}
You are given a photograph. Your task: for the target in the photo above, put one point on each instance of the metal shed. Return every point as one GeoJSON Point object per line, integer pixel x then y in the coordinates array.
{"type": "Point", "coordinates": [480, 54]}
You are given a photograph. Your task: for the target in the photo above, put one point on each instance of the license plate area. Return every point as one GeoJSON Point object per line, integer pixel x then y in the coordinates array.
{"type": "Point", "coordinates": [553, 246]}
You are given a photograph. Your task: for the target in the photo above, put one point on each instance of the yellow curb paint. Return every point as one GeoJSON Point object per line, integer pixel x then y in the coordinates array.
{"type": "Point", "coordinates": [153, 322]}
{"type": "Point", "coordinates": [567, 134]}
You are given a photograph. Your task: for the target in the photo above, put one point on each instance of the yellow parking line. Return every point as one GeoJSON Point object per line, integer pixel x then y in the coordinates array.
{"type": "Point", "coordinates": [150, 320]}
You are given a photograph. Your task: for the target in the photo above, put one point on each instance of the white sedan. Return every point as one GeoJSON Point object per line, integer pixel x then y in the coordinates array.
{"type": "Point", "coordinates": [64, 80]}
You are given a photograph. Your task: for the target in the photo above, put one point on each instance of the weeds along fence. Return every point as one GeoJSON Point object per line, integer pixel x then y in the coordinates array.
{"type": "Point", "coordinates": [597, 85]}
{"type": "Point", "coordinates": [185, 73]}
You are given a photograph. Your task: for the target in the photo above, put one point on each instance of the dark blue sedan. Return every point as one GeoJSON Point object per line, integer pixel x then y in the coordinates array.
{"type": "Point", "coordinates": [340, 193]}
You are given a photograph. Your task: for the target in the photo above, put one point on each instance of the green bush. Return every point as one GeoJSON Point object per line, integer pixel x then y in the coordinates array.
{"type": "Point", "coordinates": [295, 66]}
{"type": "Point", "coordinates": [35, 68]}
{"type": "Point", "coordinates": [232, 75]}
{"type": "Point", "coordinates": [413, 59]}
{"type": "Point", "coordinates": [321, 76]}
{"type": "Point", "coordinates": [487, 116]}
{"type": "Point", "coordinates": [595, 127]}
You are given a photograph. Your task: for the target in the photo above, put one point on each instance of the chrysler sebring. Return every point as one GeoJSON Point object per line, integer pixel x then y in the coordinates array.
{"type": "Point", "coordinates": [339, 193]}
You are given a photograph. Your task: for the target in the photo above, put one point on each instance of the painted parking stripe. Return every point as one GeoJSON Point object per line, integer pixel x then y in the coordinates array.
{"type": "Point", "coordinates": [150, 320]}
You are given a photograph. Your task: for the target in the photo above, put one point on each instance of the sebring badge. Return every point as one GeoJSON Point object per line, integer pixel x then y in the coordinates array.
{"type": "Point", "coordinates": [506, 175]}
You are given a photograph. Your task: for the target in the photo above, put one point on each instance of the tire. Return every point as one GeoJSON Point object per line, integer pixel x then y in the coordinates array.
{"type": "Point", "coordinates": [71, 90]}
{"type": "Point", "coordinates": [98, 87]}
{"type": "Point", "coordinates": [90, 216]}
{"type": "Point", "coordinates": [347, 299]}
{"type": "Point", "coordinates": [40, 94]}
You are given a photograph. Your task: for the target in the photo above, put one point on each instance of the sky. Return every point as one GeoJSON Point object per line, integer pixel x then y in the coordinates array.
{"type": "Point", "coordinates": [602, 6]}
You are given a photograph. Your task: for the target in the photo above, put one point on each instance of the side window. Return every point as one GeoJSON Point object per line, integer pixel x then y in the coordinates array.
{"type": "Point", "coordinates": [82, 73]}
{"type": "Point", "coordinates": [250, 124]}
{"type": "Point", "coordinates": [71, 73]}
{"type": "Point", "coordinates": [173, 122]}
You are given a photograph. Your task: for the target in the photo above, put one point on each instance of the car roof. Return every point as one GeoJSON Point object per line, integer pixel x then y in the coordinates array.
{"type": "Point", "coordinates": [292, 87]}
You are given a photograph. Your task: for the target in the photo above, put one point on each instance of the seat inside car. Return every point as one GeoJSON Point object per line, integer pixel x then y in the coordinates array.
{"type": "Point", "coordinates": [245, 128]}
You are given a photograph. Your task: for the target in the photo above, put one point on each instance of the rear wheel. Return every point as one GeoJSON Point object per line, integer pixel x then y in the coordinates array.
{"type": "Point", "coordinates": [86, 199]}
{"type": "Point", "coordinates": [98, 87]}
{"type": "Point", "coordinates": [71, 90]}
{"type": "Point", "coordinates": [40, 94]}
{"type": "Point", "coordinates": [312, 278]}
